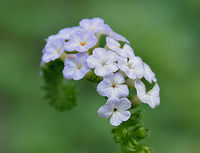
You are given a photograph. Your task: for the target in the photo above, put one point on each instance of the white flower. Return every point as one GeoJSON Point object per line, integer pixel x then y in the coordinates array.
{"type": "Point", "coordinates": [76, 66]}
{"type": "Point", "coordinates": [103, 61]}
{"type": "Point", "coordinates": [64, 34]}
{"type": "Point", "coordinates": [81, 41]}
{"type": "Point", "coordinates": [113, 86]}
{"type": "Point", "coordinates": [53, 50]}
{"type": "Point", "coordinates": [152, 97]}
{"type": "Point", "coordinates": [117, 109]}
{"type": "Point", "coordinates": [97, 25]}
{"type": "Point", "coordinates": [148, 74]}
{"type": "Point", "coordinates": [133, 67]}
{"type": "Point", "coordinates": [126, 51]}
{"type": "Point", "coordinates": [112, 44]}
{"type": "Point", "coordinates": [94, 25]}
{"type": "Point", "coordinates": [114, 35]}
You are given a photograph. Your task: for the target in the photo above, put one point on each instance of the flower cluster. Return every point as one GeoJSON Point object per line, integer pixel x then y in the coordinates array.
{"type": "Point", "coordinates": [115, 63]}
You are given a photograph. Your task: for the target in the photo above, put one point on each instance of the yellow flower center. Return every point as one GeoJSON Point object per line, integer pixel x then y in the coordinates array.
{"type": "Point", "coordinates": [79, 66]}
{"type": "Point", "coordinates": [83, 43]}
{"type": "Point", "coordinates": [114, 85]}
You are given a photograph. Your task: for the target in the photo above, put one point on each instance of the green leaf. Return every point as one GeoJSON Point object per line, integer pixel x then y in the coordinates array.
{"type": "Point", "coordinates": [91, 76]}
{"type": "Point", "coordinates": [129, 133]}
{"type": "Point", "coordinates": [60, 93]}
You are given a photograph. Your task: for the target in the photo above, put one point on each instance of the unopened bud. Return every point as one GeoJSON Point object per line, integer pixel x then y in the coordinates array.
{"type": "Point", "coordinates": [135, 100]}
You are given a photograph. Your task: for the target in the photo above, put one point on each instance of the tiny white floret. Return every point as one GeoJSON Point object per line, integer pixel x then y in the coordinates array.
{"type": "Point", "coordinates": [64, 34]}
{"type": "Point", "coordinates": [151, 97]}
{"type": "Point", "coordinates": [103, 61]}
{"type": "Point", "coordinates": [112, 44]}
{"type": "Point", "coordinates": [81, 41]}
{"type": "Point", "coordinates": [126, 51]}
{"type": "Point", "coordinates": [94, 24]}
{"type": "Point", "coordinates": [76, 66]}
{"type": "Point", "coordinates": [132, 67]}
{"type": "Point", "coordinates": [53, 50]}
{"type": "Point", "coordinates": [117, 109]}
{"type": "Point", "coordinates": [113, 85]}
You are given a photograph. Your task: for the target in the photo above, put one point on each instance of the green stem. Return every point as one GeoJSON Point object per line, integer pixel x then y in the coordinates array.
{"type": "Point", "coordinates": [130, 133]}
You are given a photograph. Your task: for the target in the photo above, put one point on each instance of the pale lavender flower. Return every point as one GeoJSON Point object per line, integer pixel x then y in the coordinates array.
{"type": "Point", "coordinates": [81, 41]}
{"type": "Point", "coordinates": [53, 50]}
{"type": "Point", "coordinates": [117, 109]}
{"type": "Point", "coordinates": [113, 85]}
{"type": "Point", "coordinates": [76, 66]}
{"type": "Point", "coordinates": [126, 51]}
{"type": "Point", "coordinates": [112, 44]}
{"type": "Point", "coordinates": [64, 34]}
{"type": "Point", "coordinates": [94, 25]}
{"type": "Point", "coordinates": [151, 97]}
{"type": "Point", "coordinates": [102, 61]}
{"type": "Point", "coordinates": [132, 67]}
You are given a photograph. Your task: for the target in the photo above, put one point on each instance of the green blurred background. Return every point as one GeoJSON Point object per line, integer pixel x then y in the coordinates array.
{"type": "Point", "coordinates": [165, 33]}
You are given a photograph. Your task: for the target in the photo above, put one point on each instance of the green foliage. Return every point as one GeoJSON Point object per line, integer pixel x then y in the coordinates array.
{"type": "Point", "coordinates": [129, 133]}
{"type": "Point", "coordinates": [102, 41]}
{"type": "Point", "coordinates": [91, 76]}
{"type": "Point", "coordinates": [60, 93]}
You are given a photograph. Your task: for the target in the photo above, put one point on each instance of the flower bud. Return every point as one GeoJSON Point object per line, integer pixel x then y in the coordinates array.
{"type": "Point", "coordinates": [140, 132]}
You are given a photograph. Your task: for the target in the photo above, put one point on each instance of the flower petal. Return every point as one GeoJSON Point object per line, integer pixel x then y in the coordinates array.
{"type": "Point", "coordinates": [148, 74]}
{"type": "Point", "coordinates": [112, 44]}
{"type": "Point", "coordinates": [119, 78]}
{"type": "Point", "coordinates": [124, 105]}
{"type": "Point", "coordinates": [115, 119]}
{"type": "Point", "coordinates": [124, 116]}
{"type": "Point", "coordinates": [105, 111]}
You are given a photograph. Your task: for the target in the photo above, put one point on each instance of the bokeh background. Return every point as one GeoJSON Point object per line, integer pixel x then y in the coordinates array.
{"type": "Point", "coordinates": [165, 33]}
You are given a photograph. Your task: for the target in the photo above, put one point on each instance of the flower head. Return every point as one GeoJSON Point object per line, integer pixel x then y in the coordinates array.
{"type": "Point", "coordinates": [102, 61]}
{"type": "Point", "coordinates": [117, 109]}
{"type": "Point", "coordinates": [113, 86]}
{"type": "Point", "coordinates": [76, 66]}
{"type": "Point", "coordinates": [152, 97]}
{"type": "Point", "coordinates": [94, 25]}
{"type": "Point", "coordinates": [53, 50]}
{"type": "Point", "coordinates": [81, 41]}
{"type": "Point", "coordinates": [115, 66]}
{"type": "Point", "coordinates": [133, 67]}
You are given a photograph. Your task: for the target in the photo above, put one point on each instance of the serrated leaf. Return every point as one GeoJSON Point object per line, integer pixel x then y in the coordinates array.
{"type": "Point", "coordinates": [61, 94]}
